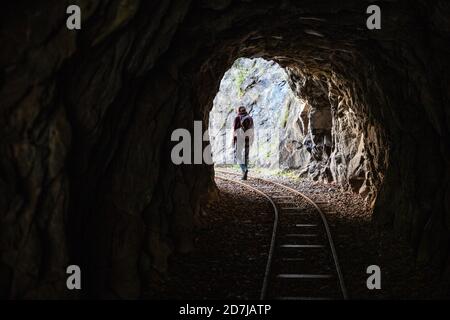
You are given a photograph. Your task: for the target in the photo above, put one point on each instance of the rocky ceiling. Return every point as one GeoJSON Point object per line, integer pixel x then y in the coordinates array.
{"type": "Point", "coordinates": [86, 118]}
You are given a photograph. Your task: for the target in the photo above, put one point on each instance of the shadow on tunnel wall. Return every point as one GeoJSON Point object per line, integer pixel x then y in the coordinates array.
{"type": "Point", "coordinates": [86, 117]}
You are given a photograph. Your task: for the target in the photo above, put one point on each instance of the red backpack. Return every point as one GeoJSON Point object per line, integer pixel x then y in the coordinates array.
{"type": "Point", "coordinates": [246, 122]}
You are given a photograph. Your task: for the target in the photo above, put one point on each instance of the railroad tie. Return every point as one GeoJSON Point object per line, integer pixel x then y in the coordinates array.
{"type": "Point", "coordinates": [301, 246]}
{"type": "Point", "coordinates": [283, 197]}
{"type": "Point", "coordinates": [302, 298]}
{"type": "Point", "coordinates": [296, 213]}
{"type": "Point", "coordinates": [303, 276]}
{"type": "Point", "coordinates": [305, 225]}
{"type": "Point", "coordinates": [293, 259]}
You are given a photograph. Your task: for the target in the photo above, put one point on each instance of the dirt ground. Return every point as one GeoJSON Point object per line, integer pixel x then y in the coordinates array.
{"type": "Point", "coordinates": [232, 243]}
{"type": "Point", "coordinates": [360, 243]}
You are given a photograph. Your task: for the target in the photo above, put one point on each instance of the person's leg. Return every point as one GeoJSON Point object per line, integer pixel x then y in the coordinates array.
{"type": "Point", "coordinates": [247, 151]}
{"type": "Point", "coordinates": [239, 159]}
{"type": "Point", "coordinates": [240, 154]}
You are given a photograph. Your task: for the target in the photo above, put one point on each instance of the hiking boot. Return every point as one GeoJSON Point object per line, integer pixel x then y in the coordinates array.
{"type": "Point", "coordinates": [244, 177]}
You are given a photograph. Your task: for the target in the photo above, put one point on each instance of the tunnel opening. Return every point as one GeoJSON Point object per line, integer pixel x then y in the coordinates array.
{"type": "Point", "coordinates": [299, 126]}
{"type": "Point", "coordinates": [261, 87]}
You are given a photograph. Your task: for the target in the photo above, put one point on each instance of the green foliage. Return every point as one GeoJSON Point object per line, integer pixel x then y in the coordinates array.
{"type": "Point", "coordinates": [285, 117]}
{"type": "Point", "coordinates": [241, 76]}
{"type": "Point", "coordinates": [286, 173]}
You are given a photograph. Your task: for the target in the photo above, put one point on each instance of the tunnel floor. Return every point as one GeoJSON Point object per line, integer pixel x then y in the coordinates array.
{"type": "Point", "coordinates": [231, 243]}
{"type": "Point", "coordinates": [233, 237]}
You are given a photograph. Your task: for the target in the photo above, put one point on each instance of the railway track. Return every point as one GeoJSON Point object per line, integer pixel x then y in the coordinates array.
{"type": "Point", "coordinates": [302, 262]}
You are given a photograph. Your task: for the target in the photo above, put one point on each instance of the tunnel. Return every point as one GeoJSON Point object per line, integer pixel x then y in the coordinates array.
{"type": "Point", "coordinates": [87, 116]}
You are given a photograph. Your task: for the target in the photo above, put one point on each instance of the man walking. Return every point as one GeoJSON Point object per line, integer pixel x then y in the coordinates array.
{"type": "Point", "coordinates": [242, 139]}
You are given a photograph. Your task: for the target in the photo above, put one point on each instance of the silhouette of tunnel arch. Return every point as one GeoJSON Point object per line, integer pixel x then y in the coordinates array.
{"type": "Point", "coordinates": [111, 94]}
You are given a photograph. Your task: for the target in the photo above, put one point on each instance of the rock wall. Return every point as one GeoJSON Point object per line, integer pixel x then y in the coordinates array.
{"type": "Point", "coordinates": [86, 118]}
{"type": "Point", "coordinates": [262, 87]}
{"type": "Point", "coordinates": [313, 124]}
{"type": "Point", "coordinates": [292, 130]}
{"type": "Point", "coordinates": [342, 146]}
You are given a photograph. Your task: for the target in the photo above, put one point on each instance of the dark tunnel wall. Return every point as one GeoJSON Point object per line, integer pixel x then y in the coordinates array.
{"type": "Point", "coordinates": [86, 118]}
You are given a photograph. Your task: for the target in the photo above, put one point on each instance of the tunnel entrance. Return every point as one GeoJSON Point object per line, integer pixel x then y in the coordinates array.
{"type": "Point", "coordinates": [87, 118]}
{"type": "Point", "coordinates": [262, 87]}
{"type": "Point", "coordinates": [290, 131]}
{"type": "Point", "coordinates": [300, 125]}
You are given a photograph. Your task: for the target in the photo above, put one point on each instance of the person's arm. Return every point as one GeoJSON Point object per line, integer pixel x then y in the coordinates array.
{"type": "Point", "coordinates": [233, 141]}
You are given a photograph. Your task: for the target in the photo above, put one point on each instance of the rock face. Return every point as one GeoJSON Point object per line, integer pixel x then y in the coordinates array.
{"type": "Point", "coordinates": [339, 148]}
{"type": "Point", "coordinates": [86, 118]}
{"type": "Point", "coordinates": [301, 130]}
{"type": "Point", "coordinates": [263, 88]}
{"type": "Point", "coordinates": [314, 121]}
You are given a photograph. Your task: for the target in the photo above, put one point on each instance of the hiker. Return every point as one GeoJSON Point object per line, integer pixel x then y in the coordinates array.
{"type": "Point", "coordinates": [242, 139]}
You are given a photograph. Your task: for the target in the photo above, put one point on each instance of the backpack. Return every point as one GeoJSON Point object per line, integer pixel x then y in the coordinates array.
{"type": "Point", "coordinates": [246, 122]}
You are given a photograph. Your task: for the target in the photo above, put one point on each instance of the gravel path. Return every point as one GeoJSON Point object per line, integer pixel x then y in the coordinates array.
{"type": "Point", "coordinates": [360, 243]}
{"type": "Point", "coordinates": [232, 242]}
{"type": "Point", "coordinates": [231, 250]}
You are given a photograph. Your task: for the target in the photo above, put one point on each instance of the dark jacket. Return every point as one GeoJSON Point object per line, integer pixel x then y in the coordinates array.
{"type": "Point", "coordinates": [243, 120]}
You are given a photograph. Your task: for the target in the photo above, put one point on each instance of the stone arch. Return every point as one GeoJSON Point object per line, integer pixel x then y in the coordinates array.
{"type": "Point", "coordinates": [86, 119]}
